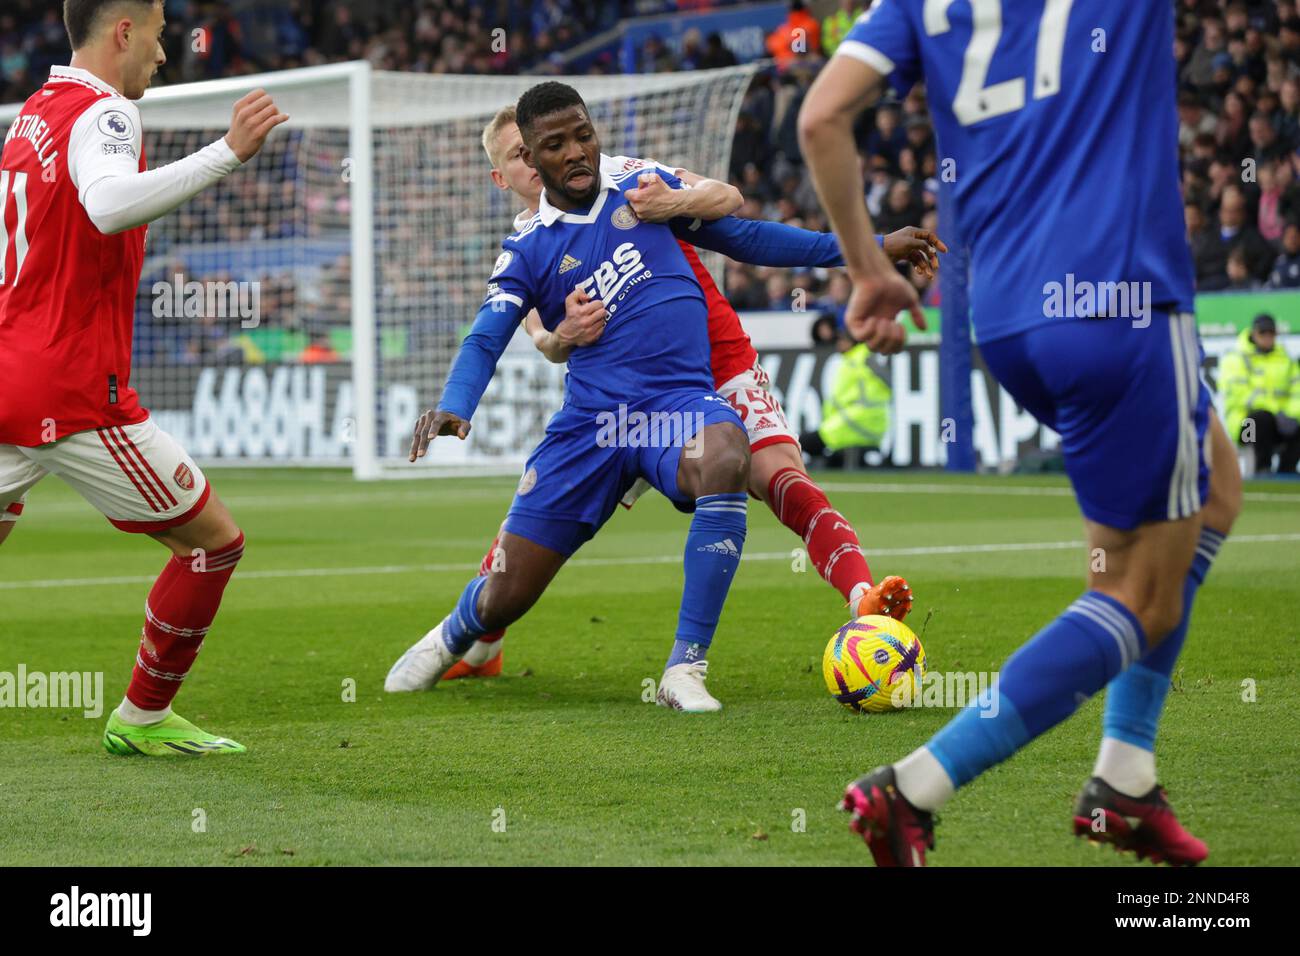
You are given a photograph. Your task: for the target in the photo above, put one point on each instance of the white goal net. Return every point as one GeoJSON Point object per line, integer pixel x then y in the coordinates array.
{"type": "Point", "coordinates": [306, 309]}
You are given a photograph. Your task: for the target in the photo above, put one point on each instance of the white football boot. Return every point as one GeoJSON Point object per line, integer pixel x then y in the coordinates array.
{"type": "Point", "coordinates": [682, 688]}
{"type": "Point", "coordinates": [423, 664]}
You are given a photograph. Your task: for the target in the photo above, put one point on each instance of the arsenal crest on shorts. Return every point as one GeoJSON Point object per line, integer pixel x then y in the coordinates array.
{"type": "Point", "coordinates": [184, 477]}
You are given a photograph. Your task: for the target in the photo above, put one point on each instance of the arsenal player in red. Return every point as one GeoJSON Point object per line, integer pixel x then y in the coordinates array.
{"type": "Point", "coordinates": [75, 198]}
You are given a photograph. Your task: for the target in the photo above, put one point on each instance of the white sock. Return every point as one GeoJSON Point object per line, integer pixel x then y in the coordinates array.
{"type": "Point", "coordinates": [480, 652]}
{"type": "Point", "coordinates": [1130, 770]}
{"type": "Point", "coordinates": [128, 713]}
{"type": "Point", "coordinates": [922, 780]}
{"type": "Point", "coordinates": [859, 589]}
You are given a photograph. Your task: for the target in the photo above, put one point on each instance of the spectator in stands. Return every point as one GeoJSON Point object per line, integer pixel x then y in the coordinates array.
{"type": "Point", "coordinates": [1260, 387]}
{"type": "Point", "coordinates": [838, 22]}
{"type": "Point", "coordinates": [320, 351]}
{"type": "Point", "coordinates": [1199, 71]}
{"type": "Point", "coordinates": [1209, 255]}
{"type": "Point", "coordinates": [780, 292]}
{"type": "Point", "coordinates": [799, 37]}
{"type": "Point", "coordinates": [1273, 180]}
{"type": "Point", "coordinates": [716, 53]}
{"type": "Point", "coordinates": [1232, 127]}
{"type": "Point", "coordinates": [825, 331]}
{"type": "Point", "coordinates": [888, 136]}
{"type": "Point", "coordinates": [1193, 119]}
{"type": "Point", "coordinates": [656, 57]}
{"type": "Point", "coordinates": [1264, 141]}
{"type": "Point", "coordinates": [1286, 270]}
{"type": "Point", "coordinates": [1239, 275]}
{"type": "Point", "coordinates": [903, 208]}
{"type": "Point", "coordinates": [744, 290]}
{"type": "Point", "coordinates": [836, 300]}
{"type": "Point", "coordinates": [692, 50]}
{"type": "Point", "coordinates": [1236, 232]}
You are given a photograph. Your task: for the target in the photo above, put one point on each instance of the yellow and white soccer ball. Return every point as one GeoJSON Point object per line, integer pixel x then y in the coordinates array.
{"type": "Point", "coordinates": [874, 664]}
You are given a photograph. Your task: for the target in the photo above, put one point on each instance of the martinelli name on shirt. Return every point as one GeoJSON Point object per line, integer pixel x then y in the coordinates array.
{"type": "Point", "coordinates": [31, 127]}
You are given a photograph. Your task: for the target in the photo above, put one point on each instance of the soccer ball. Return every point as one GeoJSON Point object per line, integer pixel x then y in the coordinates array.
{"type": "Point", "coordinates": [874, 664]}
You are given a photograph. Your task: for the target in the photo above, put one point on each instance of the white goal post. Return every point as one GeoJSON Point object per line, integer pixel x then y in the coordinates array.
{"type": "Point", "coordinates": [305, 309]}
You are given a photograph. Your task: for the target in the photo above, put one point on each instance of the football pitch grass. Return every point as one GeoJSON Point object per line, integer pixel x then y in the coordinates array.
{"type": "Point", "coordinates": [560, 761]}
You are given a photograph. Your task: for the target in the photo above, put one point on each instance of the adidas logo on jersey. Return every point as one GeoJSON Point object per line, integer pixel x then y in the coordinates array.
{"type": "Point", "coordinates": [725, 546]}
{"type": "Point", "coordinates": [568, 262]}
{"type": "Point", "coordinates": [764, 422]}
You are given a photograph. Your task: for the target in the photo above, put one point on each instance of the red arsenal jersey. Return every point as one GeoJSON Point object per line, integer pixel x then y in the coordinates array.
{"type": "Point", "coordinates": [67, 291]}
{"type": "Point", "coordinates": [730, 351]}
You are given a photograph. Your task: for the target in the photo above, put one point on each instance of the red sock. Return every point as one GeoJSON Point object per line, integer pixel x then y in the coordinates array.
{"type": "Point", "coordinates": [180, 609]}
{"type": "Point", "coordinates": [831, 541]}
{"type": "Point", "coordinates": [484, 569]}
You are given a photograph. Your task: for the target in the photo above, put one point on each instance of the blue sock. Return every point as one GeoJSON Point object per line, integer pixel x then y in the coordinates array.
{"type": "Point", "coordinates": [1135, 699]}
{"type": "Point", "coordinates": [462, 626]}
{"type": "Point", "coordinates": [713, 547]}
{"type": "Point", "coordinates": [1040, 685]}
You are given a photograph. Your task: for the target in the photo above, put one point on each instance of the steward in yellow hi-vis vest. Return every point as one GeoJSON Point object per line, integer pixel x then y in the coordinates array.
{"type": "Point", "coordinates": [856, 412]}
{"type": "Point", "coordinates": [1260, 386]}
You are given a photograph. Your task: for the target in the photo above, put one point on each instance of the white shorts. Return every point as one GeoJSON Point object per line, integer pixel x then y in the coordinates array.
{"type": "Point", "coordinates": [764, 419]}
{"type": "Point", "coordinates": [758, 408]}
{"type": "Point", "coordinates": [137, 476]}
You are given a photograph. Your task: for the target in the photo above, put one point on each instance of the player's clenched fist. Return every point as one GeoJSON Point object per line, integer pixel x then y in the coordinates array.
{"type": "Point", "coordinates": [872, 312]}
{"type": "Point", "coordinates": [584, 320]}
{"type": "Point", "coordinates": [254, 118]}
{"type": "Point", "coordinates": [431, 425]}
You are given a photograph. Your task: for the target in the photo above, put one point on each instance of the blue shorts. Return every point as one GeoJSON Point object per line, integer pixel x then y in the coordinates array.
{"type": "Point", "coordinates": [1130, 407]}
{"type": "Point", "coordinates": [588, 460]}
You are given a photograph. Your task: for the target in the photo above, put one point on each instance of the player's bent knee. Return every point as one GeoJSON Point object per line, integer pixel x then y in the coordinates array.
{"type": "Point", "coordinates": [725, 466]}
{"type": "Point", "coordinates": [765, 463]}
{"type": "Point", "coordinates": [1161, 617]}
{"type": "Point", "coordinates": [1159, 612]}
{"type": "Point", "coordinates": [6, 528]}
{"type": "Point", "coordinates": [505, 599]}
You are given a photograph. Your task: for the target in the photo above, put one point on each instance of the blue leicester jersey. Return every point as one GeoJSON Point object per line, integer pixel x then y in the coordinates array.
{"type": "Point", "coordinates": [1056, 123]}
{"type": "Point", "coordinates": [657, 337]}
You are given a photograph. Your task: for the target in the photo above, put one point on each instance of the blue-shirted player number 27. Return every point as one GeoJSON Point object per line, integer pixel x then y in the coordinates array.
{"type": "Point", "coordinates": [975, 101]}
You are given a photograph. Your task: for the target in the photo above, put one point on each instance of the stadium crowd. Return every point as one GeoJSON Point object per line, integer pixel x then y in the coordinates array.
{"type": "Point", "coordinates": [1239, 112]}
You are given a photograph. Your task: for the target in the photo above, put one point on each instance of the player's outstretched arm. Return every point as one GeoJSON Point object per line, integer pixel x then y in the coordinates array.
{"type": "Point", "coordinates": [843, 89]}
{"type": "Point", "coordinates": [118, 197]}
{"type": "Point", "coordinates": [583, 324]}
{"type": "Point", "coordinates": [472, 370]}
{"type": "Point", "coordinates": [654, 200]}
{"type": "Point", "coordinates": [760, 242]}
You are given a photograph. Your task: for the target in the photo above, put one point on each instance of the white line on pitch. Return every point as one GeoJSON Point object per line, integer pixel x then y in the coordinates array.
{"type": "Point", "coordinates": [280, 574]}
{"type": "Point", "coordinates": [407, 494]}
{"type": "Point", "coordinates": [1032, 491]}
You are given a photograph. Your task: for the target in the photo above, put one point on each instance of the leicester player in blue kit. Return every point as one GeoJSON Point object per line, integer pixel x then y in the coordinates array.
{"type": "Point", "coordinates": [601, 236]}
{"type": "Point", "coordinates": [1057, 119]}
